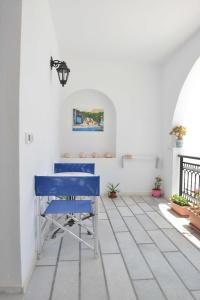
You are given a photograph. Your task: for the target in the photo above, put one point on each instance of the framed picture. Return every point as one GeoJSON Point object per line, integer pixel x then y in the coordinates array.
{"type": "Point", "coordinates": [88, 120]}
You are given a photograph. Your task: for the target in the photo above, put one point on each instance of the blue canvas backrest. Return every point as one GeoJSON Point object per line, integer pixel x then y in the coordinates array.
{"type": "Point", "coordinates": [67, 186]}
{"type": "Point", "coordinates": [74, 167]}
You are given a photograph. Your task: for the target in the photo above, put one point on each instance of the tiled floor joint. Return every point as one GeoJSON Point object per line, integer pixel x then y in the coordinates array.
{"type": "Point", "coordinates": [142, 256]}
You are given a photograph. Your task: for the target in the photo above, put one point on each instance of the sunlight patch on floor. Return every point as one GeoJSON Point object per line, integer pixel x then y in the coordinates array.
{"type": "Point", "coordinates": [180, 223]}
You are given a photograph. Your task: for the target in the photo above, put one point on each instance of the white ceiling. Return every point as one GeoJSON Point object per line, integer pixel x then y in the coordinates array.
{"type": "Point", "coordinates": [124, 29]}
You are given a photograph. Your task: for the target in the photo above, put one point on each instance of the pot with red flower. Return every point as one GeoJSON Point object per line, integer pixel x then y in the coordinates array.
{"type": "Point", "coordinates": [156, 191]}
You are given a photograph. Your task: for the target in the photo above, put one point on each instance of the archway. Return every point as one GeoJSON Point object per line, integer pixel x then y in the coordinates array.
{"type": "Point", "coordinates": [187, 110]}
{"type": "Point", "coordinates": [74, 142]}
{"type": "Point", "coordinates": [186, 113]}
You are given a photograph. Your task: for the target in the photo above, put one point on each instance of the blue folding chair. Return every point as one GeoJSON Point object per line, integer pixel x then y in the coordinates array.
{"type": "Point", "coordinates": [87, 186]}
{"type": "Point", "coordinates": [73, 167]}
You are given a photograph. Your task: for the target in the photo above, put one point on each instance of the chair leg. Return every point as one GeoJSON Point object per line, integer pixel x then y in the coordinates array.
{"type": "Point", "coordinates": [65, 230]}
{"type": "Point", "coordinates": [95, 227]}
{"type": "Point", "coordinates": [38, 240]}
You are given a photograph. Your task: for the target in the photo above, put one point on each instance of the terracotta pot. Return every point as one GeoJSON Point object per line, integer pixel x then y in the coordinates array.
{"type": "Point", "coordinates": [112, 195]}
{"type": "Point", "coordinates": [156, 193]}
{"type": "Point", "coordinates": [194, 219]}
{"type": "Point", "coordinates": [180, 210]}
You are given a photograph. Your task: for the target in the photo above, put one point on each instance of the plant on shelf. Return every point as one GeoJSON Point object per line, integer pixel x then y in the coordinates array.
{"type": "Point", "coordinates": [196, 205]}
{"type": "Point", "coordinates": [179, 200]}
{"type": "Point", "coordinates": [180, 205]}
{"type": "Point", "coordinates": [112, 190]}
{"type": "Point", "coordinates": [156, 191]}
{"type": "Point", "coordinates": [195, 210]}
{"type": "Point", "coordinates": [179, 132]}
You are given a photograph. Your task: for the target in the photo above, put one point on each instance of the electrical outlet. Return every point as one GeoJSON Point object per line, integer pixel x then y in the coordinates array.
{"type": "Point", "coordinates": [28, 138]}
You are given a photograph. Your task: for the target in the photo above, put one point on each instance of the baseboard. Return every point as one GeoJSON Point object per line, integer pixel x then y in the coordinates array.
{"type": "Point", "coordinates": [28, 277]}
{"type": "Point", "coordinates": [11, 290]}
{"type": "Point", "coordinates": [131, 194]}
{"type": "Point", "coordinates": [136, 194]}
{"type": "Point", "coordinates": [19, 290]}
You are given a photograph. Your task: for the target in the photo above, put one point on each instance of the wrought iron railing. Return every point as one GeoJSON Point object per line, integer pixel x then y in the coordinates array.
{"type": "Point", "coordinates": [189, 177]}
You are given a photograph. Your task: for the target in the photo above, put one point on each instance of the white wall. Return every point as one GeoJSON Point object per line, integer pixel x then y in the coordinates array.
{"type": "Point", "coordinates": [88, 142]}
{"type": "Point", "coordinates": [39, 106]}
{"type": "Point", "coordinates": [134, 91]}
{"type": "Point", "coordinates": [10, 28]}
{"type": "Point", "coordinates": [174, 74]}
{"type": "Point", "coordinates": [30, 95]}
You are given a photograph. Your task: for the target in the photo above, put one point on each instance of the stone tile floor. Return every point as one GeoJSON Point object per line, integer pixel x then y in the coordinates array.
{"type": "Point", "coordinates": [146, 252]}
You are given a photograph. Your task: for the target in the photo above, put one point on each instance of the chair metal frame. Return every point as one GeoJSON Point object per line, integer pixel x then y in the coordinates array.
{"type": "Point", "coordinates": [74, 186]}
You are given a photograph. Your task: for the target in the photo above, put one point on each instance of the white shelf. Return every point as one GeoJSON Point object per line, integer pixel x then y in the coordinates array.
{"type": "Point", "coordinates": [141, 157]}
{"type": "Point", "coordinates": [86, 158]}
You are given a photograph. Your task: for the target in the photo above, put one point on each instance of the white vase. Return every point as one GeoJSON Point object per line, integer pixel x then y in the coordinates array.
{"type": "Point", "coordinates": [179, 143]}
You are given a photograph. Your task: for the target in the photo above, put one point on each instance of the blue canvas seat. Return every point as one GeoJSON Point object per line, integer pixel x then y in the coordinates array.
{"type": "Point", "coordinates": [69, 207]}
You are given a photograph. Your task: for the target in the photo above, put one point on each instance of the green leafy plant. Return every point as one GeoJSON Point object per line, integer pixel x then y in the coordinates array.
{"type": "Point", "coordinates": [179, 132]}
{"type": "Point", "coordinates": [112, 188]}
{"type": "Point", "coordinates": [196, 204]}
{"type": "Point", "coordinates": [197, 194]}
{"type": "Point", "coordinates": [179, 200]}
{"type": "Point", "coordinates": [157, 182]}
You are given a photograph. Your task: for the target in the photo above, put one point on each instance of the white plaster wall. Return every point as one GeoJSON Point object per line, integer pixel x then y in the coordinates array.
{"type": "Point", "coordinates": [134, 91]}
{"type": "Point", "coordinates": [10, 28]}
{"type": "Point", "coordinates": [174, 74]}
{"type": "Point", "coordinates": [88, 142]}
{"type": "Point", "coordinates": [40, 95]}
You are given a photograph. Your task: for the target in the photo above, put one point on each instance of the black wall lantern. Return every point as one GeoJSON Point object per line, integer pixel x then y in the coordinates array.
{"type": "Point", "coordinates": [62, 69]}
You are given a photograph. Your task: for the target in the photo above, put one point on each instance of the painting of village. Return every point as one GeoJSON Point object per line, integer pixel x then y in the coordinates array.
{"type": "Point", "coordinates": [90, 120]}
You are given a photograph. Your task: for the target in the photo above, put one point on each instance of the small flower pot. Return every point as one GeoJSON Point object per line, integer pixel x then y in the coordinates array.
{"type": "Point", "coordinates": [180, 210]}
{"type": "Point", "coordinates": [194, 219]}
{"type": "Point", "coordinates": [179, 143]}
{"type": "Point", "coordinates": [112, 195]}
{"type": "Point", "coordinates": [156, 193]}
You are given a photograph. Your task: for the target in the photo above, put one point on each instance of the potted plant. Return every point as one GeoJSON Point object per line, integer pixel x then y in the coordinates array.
{"type": "Point", "coordinates": [180, 205]}
{"type": "Point", "coordinates": [156, 191]}
{"type": "Point", "coordinates": [179, 132]}
{"type": "Point", "coordinates": [112, 190]}
{"type": "Point", "coordinates": [195, 211]}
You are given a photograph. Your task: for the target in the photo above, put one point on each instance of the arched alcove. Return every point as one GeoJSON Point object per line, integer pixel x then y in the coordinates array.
{"type": "Point", "coordinates": [186, 113]}
{"type": "Point", "coordinates": [74, 142]}
{"type": "Point", "coordinates": [187, 110]}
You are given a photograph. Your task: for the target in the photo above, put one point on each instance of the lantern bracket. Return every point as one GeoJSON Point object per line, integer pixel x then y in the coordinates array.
{"type": "Point", "coordinates": [60, 67]}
